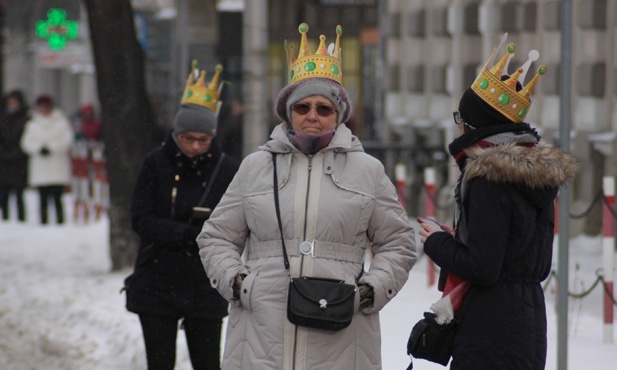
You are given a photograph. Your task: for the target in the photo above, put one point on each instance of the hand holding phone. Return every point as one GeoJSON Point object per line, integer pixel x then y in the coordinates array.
{"type": "Point", "coordinates": [200, 214]}
{"type": "Point", "coordinates": [430, 221]}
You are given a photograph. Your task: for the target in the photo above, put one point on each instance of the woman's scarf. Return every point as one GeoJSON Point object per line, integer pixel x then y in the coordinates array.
{"type": "Point", "coordinates": [310, 144]}
{"type": "Point", "coordinates": [480, 136]}
{"type": "Point", "coordinates": [455, 288]}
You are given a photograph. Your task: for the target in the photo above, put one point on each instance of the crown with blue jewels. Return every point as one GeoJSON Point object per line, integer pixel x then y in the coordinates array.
{"type": "Point", "coordinates": [324, 63]}
{"type": "Point", "coordinates": [502, 95]}
{"type": "Point", "coordinates": [198, 93]}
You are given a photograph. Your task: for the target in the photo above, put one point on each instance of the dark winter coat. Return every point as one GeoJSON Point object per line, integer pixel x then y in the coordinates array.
{"type": "Point", "coordinates": [509, 214]}
{"type": "Point", "coordinates": [13, 161]}
{"type": "Point", "coordinates": [169, 278]}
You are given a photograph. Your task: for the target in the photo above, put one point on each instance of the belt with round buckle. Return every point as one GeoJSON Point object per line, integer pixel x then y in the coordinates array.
{"type": "Point", "coordinates": [307, 248]}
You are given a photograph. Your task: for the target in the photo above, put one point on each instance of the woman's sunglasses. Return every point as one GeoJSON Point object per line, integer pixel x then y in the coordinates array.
{"type": "Point", "coordinates": [322, 110]}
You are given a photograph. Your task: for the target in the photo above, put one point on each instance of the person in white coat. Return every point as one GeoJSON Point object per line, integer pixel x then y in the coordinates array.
{"type": "Point", "coordinates": [332, 195]}
{"type": "Point", "coordinates": [47, 139]}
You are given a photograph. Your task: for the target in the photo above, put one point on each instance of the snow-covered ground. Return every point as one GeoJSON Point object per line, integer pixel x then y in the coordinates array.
{"type": "Point", "coordinates": [61, 307]}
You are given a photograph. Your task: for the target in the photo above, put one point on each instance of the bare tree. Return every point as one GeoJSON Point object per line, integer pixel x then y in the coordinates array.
{"type": "Point", "coordinates": [129, 129]}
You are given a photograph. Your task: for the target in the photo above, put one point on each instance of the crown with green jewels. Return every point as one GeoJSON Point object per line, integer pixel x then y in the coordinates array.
{"type": "Point", "coordinates": [502, 95]}
{"type": "Point", "coordinates": [325, 62]}
{"type": "Point", "coordinates": [198, 93]}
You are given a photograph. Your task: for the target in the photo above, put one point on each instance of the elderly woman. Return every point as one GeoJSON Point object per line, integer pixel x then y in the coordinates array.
{"type": "Point", "coordinates": [333, 197]}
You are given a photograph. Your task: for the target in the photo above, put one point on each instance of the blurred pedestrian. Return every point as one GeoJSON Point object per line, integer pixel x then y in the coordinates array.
{"type": "Point", "coordinates": [88, 125]}
{"type": "Point", "coordinates": [47, 139]}
{"type": "Point", "coordinates": [177, 184]}
{"type": "Point", "coordinates": [500, 250]}
{"type": "Point", "coordinates": [13, 160]}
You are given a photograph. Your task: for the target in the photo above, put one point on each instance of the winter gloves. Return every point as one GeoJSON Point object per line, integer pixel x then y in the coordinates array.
{"type": "Point", "coordinates": [237, 285]}
{"type": "Point", "coordinates": [367, 295]}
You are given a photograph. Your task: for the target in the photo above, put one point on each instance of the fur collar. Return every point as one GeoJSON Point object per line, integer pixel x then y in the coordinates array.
{"type": "Point", "coordinates": [537, 167]}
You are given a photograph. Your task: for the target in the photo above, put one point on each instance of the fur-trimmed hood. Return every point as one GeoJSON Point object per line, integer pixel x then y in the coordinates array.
{"type": "Point", "coordinates": [540, 167]}
{"type": "Point", "coordinates": [537, 167]}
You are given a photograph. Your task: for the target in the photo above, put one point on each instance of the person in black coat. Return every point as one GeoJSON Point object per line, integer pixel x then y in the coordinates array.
{"type": "Point", "coordinates": [501, 245]}
{"type": "Point", "coordinates": [169, 283]}
{"type": "Point", "coordinates": [13, 161]}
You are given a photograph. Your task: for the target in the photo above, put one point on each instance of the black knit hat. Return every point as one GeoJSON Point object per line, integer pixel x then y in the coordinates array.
{"type": "Point", "coordinates": [478, 113]}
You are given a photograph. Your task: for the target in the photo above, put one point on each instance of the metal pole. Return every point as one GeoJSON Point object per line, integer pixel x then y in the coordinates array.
{"type": "Point", "coordinates": [254, 71]}
{"type": "Point", "coordinates": [379, 75]}
{"type": "Point", "coordinates": [183, 38]}
{"type": "Point", "coordinates": [564, 196]}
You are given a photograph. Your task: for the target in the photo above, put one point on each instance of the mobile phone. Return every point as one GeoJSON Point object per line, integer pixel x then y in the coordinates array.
{"type": "Point", "coordinates": [201, 213]}
{"type": "Point", "coordinates": [430, 221]}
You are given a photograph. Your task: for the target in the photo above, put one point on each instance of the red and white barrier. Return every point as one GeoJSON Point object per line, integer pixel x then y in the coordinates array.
{"type": "Point", "coordinates": [608, 244]}
{"type": "Point", "coordinates": [80, 182]}
{"type": "Point", "coordinates": [400, 175]}
{"type": "Point", "coordinates": [429, 185]}
{"type": "Point", "coordinates": [100, 184]}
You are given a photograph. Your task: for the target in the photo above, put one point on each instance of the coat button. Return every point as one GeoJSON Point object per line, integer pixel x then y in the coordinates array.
{"type": "Point", "coordinates": [245, 291]}
{"type": "Point", "coordinates": [213, 281]}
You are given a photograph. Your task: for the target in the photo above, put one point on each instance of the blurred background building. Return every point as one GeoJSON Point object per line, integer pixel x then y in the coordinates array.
{"type": "Point", "coordinates": [406, 63]}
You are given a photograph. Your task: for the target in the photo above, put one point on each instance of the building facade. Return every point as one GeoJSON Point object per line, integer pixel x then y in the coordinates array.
{"type": "Point", "coordinates": [433, 52]}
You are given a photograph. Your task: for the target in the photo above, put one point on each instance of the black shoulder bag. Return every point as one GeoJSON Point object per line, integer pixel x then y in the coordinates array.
{"type": "Point", "coordinates": [432, 341]}
{"type": "Point", "coordinates": [315, 302]}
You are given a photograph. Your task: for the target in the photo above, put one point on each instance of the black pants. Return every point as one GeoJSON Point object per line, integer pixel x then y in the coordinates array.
{"type": "Point", "coordinates": [55, 192]}
{"type": "Point", "coordinates": [5, 191]}
{"type": "Point", "coordinates": [203, 337]}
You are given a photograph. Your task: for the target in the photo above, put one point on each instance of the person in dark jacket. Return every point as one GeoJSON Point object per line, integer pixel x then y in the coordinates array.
{"type": "Point", "coordinates": [169, 283]}
{"type": "Point", "coordinates": [500, 249]}
{"type": "Point", "coordinates": [13, 160]}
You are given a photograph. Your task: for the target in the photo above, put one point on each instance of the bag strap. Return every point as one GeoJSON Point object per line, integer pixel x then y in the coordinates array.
{"type": "Point", "coordinates": [202, 200]}
{"type": "Point", "coordinates": [278, 211]}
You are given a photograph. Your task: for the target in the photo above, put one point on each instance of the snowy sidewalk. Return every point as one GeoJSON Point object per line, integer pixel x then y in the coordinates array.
{"type": "Point", "coordinates": [60, 308]}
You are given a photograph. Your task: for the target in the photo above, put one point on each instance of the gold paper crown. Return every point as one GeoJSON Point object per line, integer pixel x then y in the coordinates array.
{"type": "Point", "coordinates": [502, 95]}
{"type": "Point", "coordinates": [196, 92]}
{"type": "Point", "coordinates": [325, 63]}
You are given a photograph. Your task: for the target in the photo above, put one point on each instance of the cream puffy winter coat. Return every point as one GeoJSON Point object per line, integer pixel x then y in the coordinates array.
{"type": "Point", "coordinates": [341, 199]}
{"type": "Point", "coordinates": [53, 132]}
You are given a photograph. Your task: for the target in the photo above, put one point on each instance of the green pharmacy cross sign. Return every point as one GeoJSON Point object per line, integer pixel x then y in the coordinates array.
{"type": "Point", "coordinates": [56, 29]}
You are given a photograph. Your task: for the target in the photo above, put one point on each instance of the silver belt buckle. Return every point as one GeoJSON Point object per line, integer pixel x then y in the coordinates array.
{"type": "Point", "coordinates": [308, 248]}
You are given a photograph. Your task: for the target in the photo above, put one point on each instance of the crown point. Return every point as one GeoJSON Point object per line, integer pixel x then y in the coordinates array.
{"type": "Point", "coordinates": [194, 63]}
{"type": "Point", "coordinates": [219, 68]}
{"type": "Point", "coordinates": [321, 49]}
{"type": "Point", "coordinates": [339, 30]}
{"type": "Point", "coordinates": [511, 47]}
{"type": "Point", "coordinates": [303, 28]}
{"type": "Point", "coordinates": [542, 69]}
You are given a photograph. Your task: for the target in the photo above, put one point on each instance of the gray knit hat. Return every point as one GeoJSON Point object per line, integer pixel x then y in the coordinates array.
{"type": "Point", "coordinates": [327, 88]}
{"type": "Point", "coordinates": [193, 118]}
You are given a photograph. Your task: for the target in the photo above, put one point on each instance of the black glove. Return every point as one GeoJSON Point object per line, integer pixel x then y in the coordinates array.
{"type": "Point", "coordinates": [45, 152]}
{"type": "Point", "coordinates": [367, 295]}
{"type": "Point", "coordinates": [190, 235]}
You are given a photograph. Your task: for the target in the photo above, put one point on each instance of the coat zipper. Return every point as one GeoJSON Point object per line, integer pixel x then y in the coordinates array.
{"type": "Point", "coordinates": [306, 203]}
